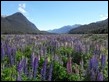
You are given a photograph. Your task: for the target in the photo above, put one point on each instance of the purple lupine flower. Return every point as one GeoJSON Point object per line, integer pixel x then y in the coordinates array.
{"type": "Point", "coordinates": [21, 65]}
{"type": "Point", "coordinates": [25, 66]}
{"type": "Point", "coordinates": [35, 67]}
{"type": "Point", "coordinates": [13, 55]}
{"type": "Point", "coordinates": [20, 69]}
{"type": "Point", "coordinates": [78, 48]}
{"type": "Point", "coordinates": [8, 50]}
{"type": "Point", "coordinates": [103, 61]}
{"type": "Point", "coordinates": [2, 52]}
{"type": "Point", "coordinates": [100, 77]}
{"type": "Point", "coordinates": [9, 55]}
{"type": "Point", "coordinates": [11, 60]}
{"type": "Point", "coordinates": [50, 72]}
{"type": "Point", "coordinates": [43, 70]}
{"type": "Point", "coordinates": [7, 47]}
{"type": "Point", "coordinates": [93, 64]}
{"type": "Point", "coordinates": [69, 66]}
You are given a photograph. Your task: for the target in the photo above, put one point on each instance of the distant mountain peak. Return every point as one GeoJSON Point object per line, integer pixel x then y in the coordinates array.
{"type": "Point", "coordinates": [94, 27]}
{"type": "Point", "coordinates": [18, 14]}
{"type": "Point", "coordinates": [64, 29]}
{"type": "Point", "coordinates": [17, 23]}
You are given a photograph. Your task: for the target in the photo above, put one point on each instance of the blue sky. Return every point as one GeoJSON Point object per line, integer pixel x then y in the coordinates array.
{"type": "Point", "coordinates": [48, 15]}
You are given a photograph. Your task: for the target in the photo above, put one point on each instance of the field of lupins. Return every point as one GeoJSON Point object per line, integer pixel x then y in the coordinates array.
{"type": "Point", "coordinates": [54, 57]}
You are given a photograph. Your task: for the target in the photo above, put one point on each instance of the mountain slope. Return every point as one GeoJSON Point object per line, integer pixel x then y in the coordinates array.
{"type": "Point", "coordinates": [64, 29]}
{"type": "Point", "coordinates": [17, 23]}
{"type": "Point", "coordinates": [97, 27]}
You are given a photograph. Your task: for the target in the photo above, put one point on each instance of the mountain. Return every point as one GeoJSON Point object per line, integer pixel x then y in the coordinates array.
{"type": "Point", "coordinates": [95, 27]}
{"type": "Point", "coordinates": [64, 29]}
{"type": "Point", "coordinates": [17, 23]}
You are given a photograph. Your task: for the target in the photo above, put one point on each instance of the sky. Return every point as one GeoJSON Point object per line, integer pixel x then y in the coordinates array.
{"type": "Point", "coordinates": [47, 15]}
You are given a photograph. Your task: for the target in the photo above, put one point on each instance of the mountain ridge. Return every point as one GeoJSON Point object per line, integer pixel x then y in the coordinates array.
{"type": "Point", "coordinates": [17, 23]}
{"type": "Point", "coordinates": [94, 27]}
{"type": "Point", "coordinates": [64, 29]}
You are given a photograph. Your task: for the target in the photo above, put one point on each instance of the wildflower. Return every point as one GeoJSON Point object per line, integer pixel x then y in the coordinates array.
{"type": "Point", "coordinates": [13, 55]}
{"type": "Point", "coordinates": [100, 77]}
{"type": "Point", "coordinates": [9, 53]}
{"type": "Point", "coordinates": [35, 67]}
{"type": "Point", "coordinates": [2, 52]}
{"type": "Point", "coordinates": [103, 61]}
{"type": "Point", "coordinates": [20, 66]}
{"type": "Point", "coordinates": [32, 59]}
{"type": "Point", "coordinates": [93, 64]}
{"type": "Point", "coordinates": [43, 70]}
{"type": "Point", "coordinates": [50, 72]}
{"type": "Point", "coordinates": [20, 69]}
{"type": "Point", "coordinates": [25, 66]}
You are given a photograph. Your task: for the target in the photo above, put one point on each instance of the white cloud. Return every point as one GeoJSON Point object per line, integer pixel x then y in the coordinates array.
{"type": "Point", "coordinates": [22, 7]}
{"type": "Point", "coordinates": [103, 17]}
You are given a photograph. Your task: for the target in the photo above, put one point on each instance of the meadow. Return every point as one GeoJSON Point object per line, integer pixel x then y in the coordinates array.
{"type": "Point", "coordinates": [64, 57]}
